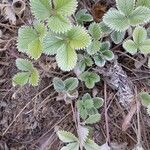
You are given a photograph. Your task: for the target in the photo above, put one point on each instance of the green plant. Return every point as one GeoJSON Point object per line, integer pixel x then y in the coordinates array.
{"type": "Point", "coordinates": [139, 42]}
{"type": "Point", "coordinates": [126, 15]}
{"type": "Point", "coordinates": [87, 108]}
{"type": "Point", "coordinates": [66, 88]}
{"type": "Point", "coordinates": [90, 78]}
{"type": "Point", "coordinates": [145, 100]}
{"type": "Point", "coordinates": [145, 3]}
{"type": "Point", "coordinates": [117, 37]}
{"type": "Point", "coordinates": [29, 74]}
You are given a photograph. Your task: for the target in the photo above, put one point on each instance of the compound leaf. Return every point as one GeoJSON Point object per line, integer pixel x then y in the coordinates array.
{"type": "Point", "coordinates": [66, 58]}
{"type": "Point", "coordinates": [66, 137]}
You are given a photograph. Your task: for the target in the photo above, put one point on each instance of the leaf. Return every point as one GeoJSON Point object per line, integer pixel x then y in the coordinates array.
{"type": "Point", "coordinates": [105, 29]}
{"type": "Point", "coordinates": [130, 47]}
{"type": "Point", "coordinates": [91, 145]}
{"type": "Point", "coordinates": [93, 119]}
{"type": "Point", "coordinates": [20, 78]}
{"type": "Point", "coordinates": [95, 30]}
{"type": "Point", "coordinates": [149, 62]}
{"type": "Point", "coordinates": [139, 35]}
{"type": "Point", "coordinates": [66, 58]}
{"type": "Point", "coordinates": [25, 36]}
{"type": "Point", "coordinates": [83, 134]}
{"type": "Point", "coordinates": [139, 16]}
{"type": "Point", "coordinates": [41, 9]}
{"type": "Point", "coordinates": [88, 103]}
{"type": "Point", "coordinates": [145, 3]}
{"type": "Point", "coordinates": [52, 44]}
{"type": "Point", "coordinates": [148, 109]}
{"type": "Point", "coordinates": [58, 84]}
{"type": "Point", "coordinates": [148, 32]}
{"type": "Point", "coordinates": [98, 102]}
{"type": "Point", "coordinates": [108, 55]}
{"type": "Point", "coordinates": [93, 47]}
{"type": "Point", "coordinates": [115, 20]}
{"type": "Point", "coordinates": [66, 137]}
{"type": "Point", "coordinates": [83, 16]}
{"type": "Point", "coordinates": [35, 49]}
{"type": "Point", "coordinates": [65, 7]}
{"type": "Point", "coordinates": [34, 77]}
{"type": "Point", "coordinates": [71, 146]}
{"type": "Point", "coordinates": [59, 24]}
{"type": "Point", "coordinates": [78, 37]}
{"type": "Point", "coordinates": [92, 111]}
{"type": "Point", "coordinates": [86, 96]}
{"type": "Point", "coordinates": [145, 98]}
{"type": "Point", "coordinates": [90, 78]}
{"type": "Point", "coordinates": [145, 47]}
{"type": "Point", "coordinates": [99, 60]}
{"type": "Point", "coordinates": [24, 65]}
{"type": "Point", "coordinates": [71, 84]}
{"type": "Point", "coordinates": [117, 37]}
{"type": "Point", "coordinates": [125, 6]}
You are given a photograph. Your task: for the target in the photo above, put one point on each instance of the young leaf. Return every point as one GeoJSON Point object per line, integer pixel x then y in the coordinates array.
{"type": "Point", "coordinates": [91, 145]}
{"type": "Point", "coordinates": [52, 44]}
{"type": "Point", "coordinates": [35, 49]}
{"type": "Point", "coordinates": [20, 78]}
{"type": "Point", "coordinates": [71, 84]}
{"type": "Point", "coordinates": [24, 65]}
{"type": "Point", "coordinates": [71, 146]}
{"type": "Point", "coordinates": [66, 137]}
{"type": "Point", "coordinates": [105, 46]}
{"type": "Point", "coordinates": [95, 31]}
{"type": "Point", "coordinates": [86, 96]}
{"type": "Point", "coordinates": [99, 60]}
{"type": "Point", "coordinates": [83, 16]}
{"type": "Point", "coordinates": [78, 37]}
{"type": "Point", "coordinates": [98, 102]}
{"type": "Point", "coordinates": [93, 119]}
{"type": "Point", "coordinates": [34, 77]}
{"type": "Point", "coordinates": [108, 55]}
{"type": "Point", "coordinates": [93, 47]}
{"type": "Point", "coordinates": [116, 20]}
{"type": "Point", "coordinates": [125, 6]}
{"type": "Point", "coordinates": [58, 84]}
{"type": "Point", "coordinates": [65, 7]}
{"type": "Point", "coordinates": [139, 16]}
{"type": "Point", "coordinates": [139, 35]}
{"type": "Point", "coordinates": [66, 58]}
{"type": "Point", "coordinates": [90, 78]}
{"type": "Point", "coordinates": [130, 47]}
{"type": "Point", "coordinates": [145, 47]}
{"type": "Point", "coordinates": [117, 37]}
{"type": "Point", "coordinates": [145, 98]}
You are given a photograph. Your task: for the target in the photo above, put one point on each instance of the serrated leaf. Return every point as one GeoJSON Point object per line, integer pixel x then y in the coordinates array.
{"type": "Point", "coordinates": [104, 46]}
{"type": "Point", "coordinates": [115, 20]}
{"type": "Point", "coordinates": [90, 78]}
{"type": "Point", "coordinates": [24, 65]}
{"type": "Point", "coordinates": [78, 37]}
{"type": "Point", "coordinates": [92, 111]}
{"type": "Point", "coordinates": [125, 6]}
{"type": "Point", "coordinates": [83, 134]}
{"type": "Point", "coordinates": [65, 7]}
{"type": "Point", "coordinates": [71, 146]}
{"type": "Point", "coordinates": [66, 137]}
{"type": "Point", "coordinates": [88, 103]}
{"type": "Point", "coordinates": [99, 60]}
{"type": "Point", "coordinates": [66, 58]}
{"type": "Point", "coordinates": [25, 36]}
{"type": "Point", "coordinates": [108, 55]}
{"type": "Point", "coordinates": [41, 9]}
{"type": "Point", "coordinates": [105, 29]}
{"type": "Point", "coordinates": [86, 96]}
{"type": "Point", "coordinates": [98, 102]}
{"type": "Point", "coordinates": [93, 119]}
{"type": "Point", "coordinates": [52, 44]}
{"type": "Point", "coordinates": [20, 78]}
{"type": "Point", "coordinates": [59, 24]}
{"type": "Point", "coordinates": [145, 47]}
{"type": "Point", "coordinates": [130, 47]}
{"type": "Point", "coordinates": [58, 84]}
{"type": "Point", "coordinates": [95, 30]}
{"type": "Point", "coordinates": [93, 47]}
{"type": "Point", "coordinates": [83, 16]}
{"type": "Point", "coordinates": [117, 37]}
{"type": "Point", "coordinates": [71, 84]}
{"type": "Point", "coordinates": [145, 3]}
{"type": "Point", "coordinates": [145, 98]}
{"type": "Point", "coordinates": [139, 35]}
{"type": "Point", "coordinates": [91, 145]}
{"type": "Point", "coordinates": [35, 49]}
{"type": "Point", "coordinates": [34, 77]}
{"type": "Point", "coordinates": [139, 16]}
